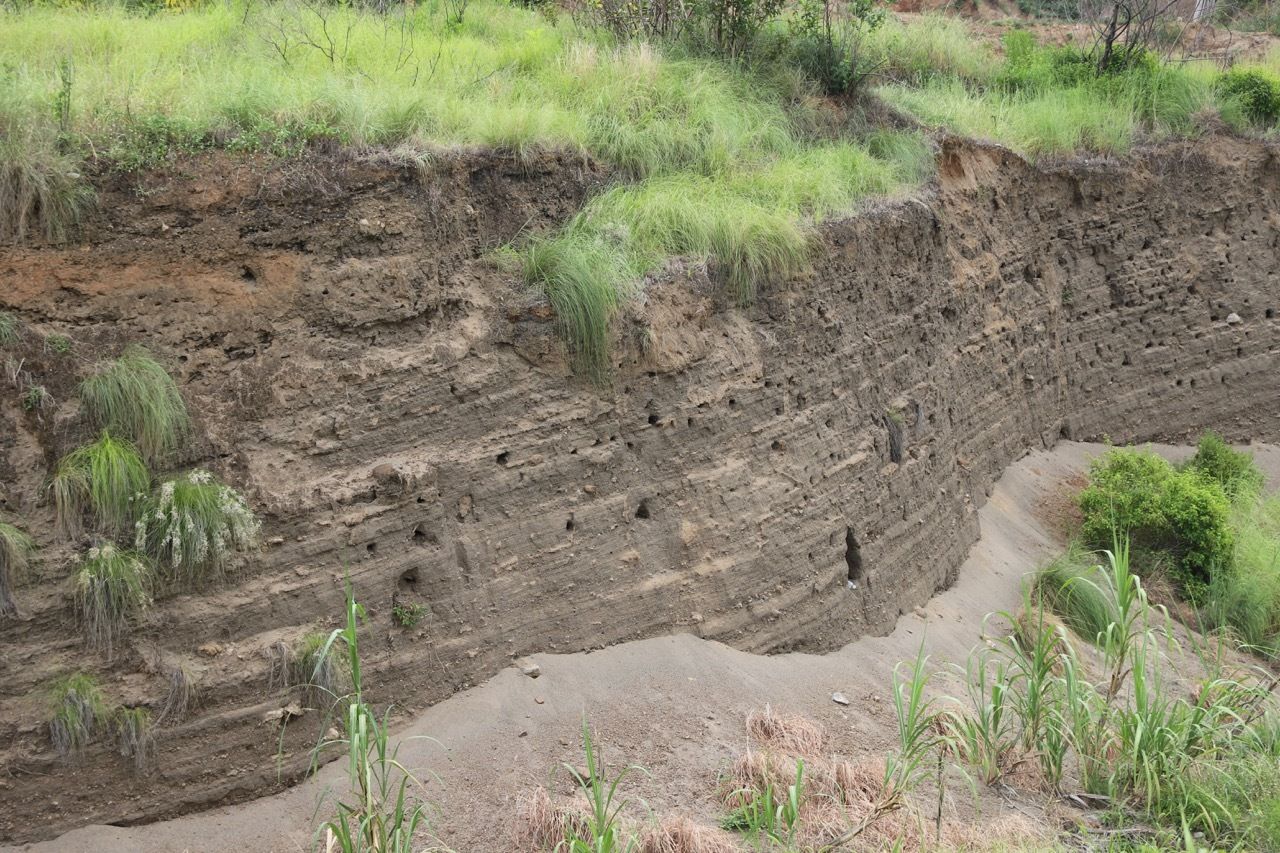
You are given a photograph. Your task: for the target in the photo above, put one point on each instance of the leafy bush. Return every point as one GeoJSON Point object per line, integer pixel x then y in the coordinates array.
{"type": "Point", "coordinates": [112, 588]}
{"type": "Point", "coordinates": [104, 478]}
{"type": "Point", "coordinates": [1255, 91]}
{"type": "Point", "coordinates": [1173, 516]}
{"type": "Point", "coordinates": [78, 711]}
{"type": "Point", "coordinates": [16, 551]}
{"type": "Point", "coordinates": [133, 396]}
{"type": "Point", "coordinates": [193, 524]}
{"type": "Point", "coordinates": [1232, 469]}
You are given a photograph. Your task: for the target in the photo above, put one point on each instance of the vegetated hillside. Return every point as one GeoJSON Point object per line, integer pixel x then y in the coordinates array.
{"type": "Point", "coordinates": [418, 428]}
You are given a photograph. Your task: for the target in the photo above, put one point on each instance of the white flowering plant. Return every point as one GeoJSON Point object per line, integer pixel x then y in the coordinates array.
{"type": "Point", "coordinates": [192, 525]}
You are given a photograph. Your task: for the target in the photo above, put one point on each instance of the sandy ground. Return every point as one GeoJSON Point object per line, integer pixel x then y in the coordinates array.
{"type": "Point", "coordinates": [674, 705]}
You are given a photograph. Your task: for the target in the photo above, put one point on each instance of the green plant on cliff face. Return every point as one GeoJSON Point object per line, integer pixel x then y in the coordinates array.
{"type": "Point", "coordinates": [134, 397]}
{"type": "Point", "coordinates": [9, 330]}
{"type": "Point", "coordinates": [379, 813]}
{"type": "Point", "coordinates": [134, 737]}
{"type": "Point", "coordinates": [16, 552]}
{"type": "Point", "coordinates": [112, 588]}
{"type": "Point", "coordinates": [42, 193]}
{"type": "Point", "coordinates": [105, 479]}
{"type": "Point", "coordinates": [192, 525]}
{"type": "Point", "coordinates": [78, 710]}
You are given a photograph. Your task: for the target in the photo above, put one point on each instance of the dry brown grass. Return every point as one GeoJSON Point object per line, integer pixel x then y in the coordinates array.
{"type": "Point", "coordinates": [788, 733]}
{"type": "Point", "coordinates": [542, 824]}
{"type": "Point", "coordinates": [683, 835]}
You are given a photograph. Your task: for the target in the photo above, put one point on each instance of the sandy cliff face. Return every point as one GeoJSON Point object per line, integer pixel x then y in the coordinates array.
{"type": "Point", "coordinates": [788, 476]}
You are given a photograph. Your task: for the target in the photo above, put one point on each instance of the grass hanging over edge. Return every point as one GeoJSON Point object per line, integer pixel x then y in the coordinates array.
{"type": "Point", "coordinates": [135, 397]}
{"type": "Point", "coordinates": [112, 588]}
{"type": "Point", "coordinates": [77, 711]}
{"type": "Point", "coordinates": [16, 552]}
{"type": "Point", "coordinates": [105, 477]}
{"type": "Point", "coordinates": [192, 525]}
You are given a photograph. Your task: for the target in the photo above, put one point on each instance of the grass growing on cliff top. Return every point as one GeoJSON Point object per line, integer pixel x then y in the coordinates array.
{"type": "Point", "coordinates": [734, 163]}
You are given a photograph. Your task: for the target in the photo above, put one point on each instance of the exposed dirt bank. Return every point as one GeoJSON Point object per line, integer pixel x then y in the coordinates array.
{"type": "Point", "coordinates": [674, 705]}
{"type": "Point", "coordinates": [396, 407]}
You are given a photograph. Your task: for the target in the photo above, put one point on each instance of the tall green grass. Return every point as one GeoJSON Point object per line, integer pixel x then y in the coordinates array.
{"type": "Point", "coordinates": [112, 588]}
{"type": "Point", "coordinates": [749, 225]}
{"type": "Point", "coordinates": [17, 549]}
{"type": "Point", "coordinates": [105, 479]}
{"type": "Point", "coordinates": [135, 397]}
{"type": "Point", "coordinates": [733, 169]}
{"type": "Point", "coordinates": [1246, 599]}
{"type": "Point", "coordinates": [379, 812]}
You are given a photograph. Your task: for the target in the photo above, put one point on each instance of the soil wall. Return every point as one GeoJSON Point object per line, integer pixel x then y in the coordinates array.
{"type": "Point", "coordinates": [788, 476]}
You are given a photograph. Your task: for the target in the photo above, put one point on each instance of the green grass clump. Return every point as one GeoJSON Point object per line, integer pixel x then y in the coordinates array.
{"type": "Point", "coordinates": [1072, 585]}
{"type": "Point", "coordinates": [135, 397]}
{"type": "Point", "coordinates": [1177, 520]}
{"type": "Point", "coordinates": [750, 225]}
{"type": "Point", "coordinates": [78, 711]}
{"type": "Point", "coordinates": [1233, 470]}
{"type": "Point", "coordinates": [16, 552]}
{"type": "Point", "coordinates": [42, 191]}
{"type": "Point", "coordinates": [134, 737]}
{"type": "Point", "coordinates": [1246, 600]}
{"type": "Point", "coordinates": [1051, 100]}
{"type": "Point", "coordinates": [105, 479]}
{"type": "Point", "coordinates": [193, 524]}
{"type": "Point", "coordinates": [933, 47]}
{"type": "Point", "coordinates": [322, 676]}
{"type": "Point", "coordinates": [112, 588]}
{"type": "Point", "coordinates": [10, 332]}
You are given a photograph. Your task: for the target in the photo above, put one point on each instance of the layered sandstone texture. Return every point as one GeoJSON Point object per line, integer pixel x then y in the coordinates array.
{"type": "Point", "coordinates": [364, 365]}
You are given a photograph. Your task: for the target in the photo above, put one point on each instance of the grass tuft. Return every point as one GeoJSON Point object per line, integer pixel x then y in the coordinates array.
{"type": "Point", "coordinates": [135, 397]}
{"type": "Point", "coordinates": [10, 331]}
{"type": "Point", "coordinates": [134, 738]}
{"type": "Point", "coordinates": [183, 695]}
{"type": "Point", "coordinates": [42, 191]}
{"type": "Point", "coordinates": [77, 712]}
{"type": "Point", "coordinates": [16, 552]}
{"type": "Point", "coordinates": [1072, 586]}
{"type": "Point", "coordinates": [785, 732]}
{"type": "Point", "coordinates": [104, 479]}
{"type": "Point", "coordinates": [192, 525]}
{"type": "Point", "coordinates": [320, 674]}
{"type": "Point", "coordinates": [112, 588]}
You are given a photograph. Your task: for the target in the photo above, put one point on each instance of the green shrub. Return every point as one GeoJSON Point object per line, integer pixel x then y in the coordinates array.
{"type": "Point", "coordinates": [192, 525]}
{"type": "Point", "coordinates": [16, 551]}
{"type": "Point", "coordinates": [826, 42]}
{"type": "Point", "coordinates": [133, 396]}
{"type": "Point", "coordinates": [408, 615]}
{"type": "Point", "coordinates": [1232, 469]}
{"type": "Point", "coordinates": [104, 478]}
{"type": "Point", "coordinates": [112, 588]}
{"type": "Point", "coordinates": [1177, 518]}
{"type": "Point", "coordinates": [58, 344]}
{"type": "Point", "coordinates": [77, 712]}
{"type": "Point", "coordinates": [1255, 91]}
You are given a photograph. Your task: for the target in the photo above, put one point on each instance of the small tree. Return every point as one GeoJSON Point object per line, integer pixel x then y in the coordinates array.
{"type": "Point", "coordinates": [1124, 30]}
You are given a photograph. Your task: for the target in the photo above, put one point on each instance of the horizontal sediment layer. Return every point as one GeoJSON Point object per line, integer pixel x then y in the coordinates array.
{"type": "Point", "coordinates": [787, 476]}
